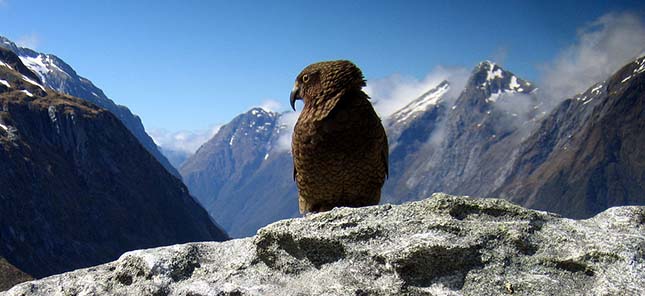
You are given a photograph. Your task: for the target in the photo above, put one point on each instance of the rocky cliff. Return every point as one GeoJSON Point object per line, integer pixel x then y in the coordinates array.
{"type": "Point", "coordinates": [587, 155]}
{"type": "Point", "coordinates": [444, 245]}
{"type": "Point", "coordinates": [11, 275]}
{"type": "Point", "coordinates": [54, 73]}
{"type": "Point", "coordinates": [76, 187]}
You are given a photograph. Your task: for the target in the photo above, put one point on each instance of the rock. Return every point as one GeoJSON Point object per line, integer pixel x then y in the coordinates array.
{"type": "Point", "coordinates": [444, 245]}
{"type": "Point", "coordinates": [11, 275]}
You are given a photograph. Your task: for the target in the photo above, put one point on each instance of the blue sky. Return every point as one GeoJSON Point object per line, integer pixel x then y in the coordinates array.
{"type": "Point", "coordinates": [191, 65]}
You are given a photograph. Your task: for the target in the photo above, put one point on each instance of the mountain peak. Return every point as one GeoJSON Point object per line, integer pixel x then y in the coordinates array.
{"type": "Point", "coordinates": [497, 81]}
{"type": "Point", "coordinates": [49, 71]}
{"type": "Point", "coordinates": [261, 112]}
{"type": "Point", "coordinates": [430, 98]}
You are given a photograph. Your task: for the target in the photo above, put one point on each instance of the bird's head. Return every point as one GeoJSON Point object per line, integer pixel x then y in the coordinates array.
{"type": "Point", "coordinates": [325, 81]}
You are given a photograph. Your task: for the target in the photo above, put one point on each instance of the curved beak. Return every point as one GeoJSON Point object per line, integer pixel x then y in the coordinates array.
{"type": "Point", "coordinates": [295, 95]}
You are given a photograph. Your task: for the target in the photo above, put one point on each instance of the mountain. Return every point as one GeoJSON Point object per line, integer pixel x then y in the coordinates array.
{"type": "Point", "coordinates": [177, 158]}
{"type": "Point", "coordinates": [493, 138]}
{"type": "Point", "coordinates": [459, 145]}
{"type": "Point", "coordinates": [243, 171]}
{"type": "Point", "coordinates": [76, 187]}
{"type": "Point", "coordinates": [587, 155]}
{"type": "Point", "coordinates": [444, 245]}
{"type": "Point", "coordinates": [235, 183]}
{"type": "Point", "coordinates": [54, 73]}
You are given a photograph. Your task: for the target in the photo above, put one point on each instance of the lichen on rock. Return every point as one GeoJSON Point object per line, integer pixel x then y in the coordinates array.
{"type": "Point", "coordinates": [444, 245]}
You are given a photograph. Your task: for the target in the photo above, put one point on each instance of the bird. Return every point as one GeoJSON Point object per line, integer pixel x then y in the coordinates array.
{"type": "Point", "coordinates": [339, 146]}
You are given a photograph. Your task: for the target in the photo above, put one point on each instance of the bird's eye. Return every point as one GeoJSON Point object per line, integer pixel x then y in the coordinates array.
{"type": "Point", "coordinates": [305, 78]}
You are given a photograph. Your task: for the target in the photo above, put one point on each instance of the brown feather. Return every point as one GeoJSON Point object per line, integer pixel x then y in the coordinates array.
{"type": "Point", "coordinates": [339, 145]}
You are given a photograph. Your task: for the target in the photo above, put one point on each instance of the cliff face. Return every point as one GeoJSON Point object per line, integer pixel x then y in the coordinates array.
{"type": "Point", "coordinates": [77, 188]}
{"type": "Point", "coordinates": [52, 72]}
{"type": "Point", "coordinates": [460, 145]}
{"type": "Point", "coordinates": [588, 154]}
{"type": "Point", "coordinates": [444, 245]}
{"type": "Point", "coordinates": [240, 173]}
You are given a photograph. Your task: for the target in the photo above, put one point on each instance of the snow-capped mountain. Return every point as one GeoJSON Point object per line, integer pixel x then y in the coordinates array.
{"type": "Point", "coordinates": [587, 155]}
{"type": "Point", "coordinates": [420, 105]}
{"type": "Point", "coordinates": [243, 175]}
{"type": "Point", "coordinates": [54, 73]}
{"type": "Point", "coordinates": [486, 141]}
{"type": "Point", "coordinates": [459, 144]}
{"type": "Point", "coordinates": [76, 187]}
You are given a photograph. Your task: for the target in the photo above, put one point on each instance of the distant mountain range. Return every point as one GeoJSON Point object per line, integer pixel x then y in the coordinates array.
{"type": "Point", "coordinates": [54, 73]}
{"type": "Point", "coordinates": [77, 188]}
{"type": "Point", "coordinates": [497, 138]}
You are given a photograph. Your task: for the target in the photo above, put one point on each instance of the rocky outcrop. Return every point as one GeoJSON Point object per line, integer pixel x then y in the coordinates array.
{"type": "Point", "coordinates": [11, 275]}
{"type": "Point", "coordinates": [444, 245]}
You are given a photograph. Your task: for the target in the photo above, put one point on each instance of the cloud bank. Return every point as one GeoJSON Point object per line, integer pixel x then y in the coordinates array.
{"type": "Point", "coordinates": [286, 122]}
{"type": "Point", "coordinates": [394, 92]}
{"type": "Point", "coordinates": [272, 105]}
{"type": "Point", "coordinates": [183, 141]}
{"type": "Point", "coordinates": [600, 49]}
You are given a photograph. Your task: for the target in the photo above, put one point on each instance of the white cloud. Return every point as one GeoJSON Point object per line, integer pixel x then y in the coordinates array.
{"type": "Point", "coordinates": [186, 141]}
{"type": "Point", "coordinates": [287, 121]}
{"type": "Point", "coordinates": [601, 48]}
{"type": "Point", "coordinates": [29, 41]}
{"type": "Point", "coordinates": [272, 105]}
{"type": "Point", "coordinates": [394, 92]}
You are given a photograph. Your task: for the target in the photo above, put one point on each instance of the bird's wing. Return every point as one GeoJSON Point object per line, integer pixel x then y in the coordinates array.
{"type": "Point", "coordinates": [328, 105]}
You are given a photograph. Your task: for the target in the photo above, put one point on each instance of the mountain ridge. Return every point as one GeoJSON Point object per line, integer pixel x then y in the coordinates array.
{"type": "Point", "coordinates": [54, 73]}
{"type": "Point", "coordinates": [466, 143]}
{"type": "Point", "coordinates": [77, 188]}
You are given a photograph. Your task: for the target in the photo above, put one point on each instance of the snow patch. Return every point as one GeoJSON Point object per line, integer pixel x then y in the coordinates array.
{"type": "Point", "coordinates": [3, 64]}
{"type": "Point", "coordinates": [491, 74]}
{"type": "Point", "coordinates": [51, 62]}
{"type": "Point", "coordinates": [25, 78]}
{"type": "Point", "coordinates": [36, 64]}
{"type": "Point", "coordinates": [626, 79]}
{"type": "Point", "coordinates": [640, 69]}
{"type": "Point", "coordinates": [230, 142]}
{"type": "Point", "coordinates": [422, 104]}
{"type": "Point", "coordinates": [5, 83]}
{"type": "Point", "coordinates": [27, 93]}
{"type": "Point", "coordinates": [4, 127]}
{"type": "Point", "coordinates": [494, 96]}
{"type": "Point", "coordinates": [513, 84]}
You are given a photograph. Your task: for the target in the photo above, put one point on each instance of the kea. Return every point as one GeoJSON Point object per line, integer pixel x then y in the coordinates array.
{"type": "Point", "coordinates": [339, 146]}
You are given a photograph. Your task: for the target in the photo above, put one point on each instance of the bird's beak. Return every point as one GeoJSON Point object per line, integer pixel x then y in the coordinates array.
{"type": "Point", "coordinates": [295, 95]}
